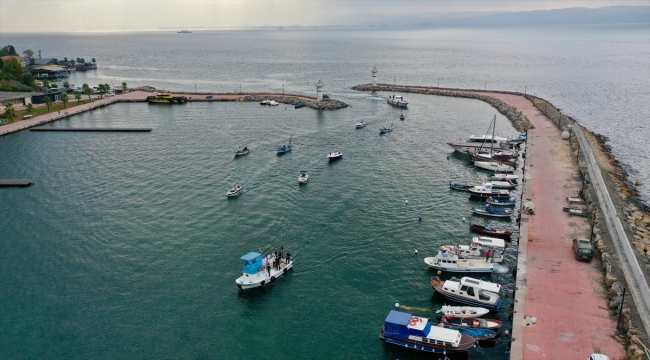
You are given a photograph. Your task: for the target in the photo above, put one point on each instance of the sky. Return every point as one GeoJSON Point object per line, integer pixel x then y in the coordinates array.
{"type": "Point", "coordinates": [102, 15]}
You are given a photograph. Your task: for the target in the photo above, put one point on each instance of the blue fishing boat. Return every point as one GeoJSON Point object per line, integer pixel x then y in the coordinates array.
{"type": "Point", "coordinates": [459, 187]}
{"type": "Point", "coordinates": [478, 334]}
{"type": "Point", "coordinates": [414, 332]}
{"type": "Point", "coordinates": [501, 201]}
{"type": "Point", "coordinates": [285, 148]}
{"type": "Point", "coordinates": [470, 291]}
{"type": "Point", "coordinates": [489, 210]}
{"type": "Point", "coordinates": [299, 105]}
{"type": "Point", "coordinates": [386, 129]}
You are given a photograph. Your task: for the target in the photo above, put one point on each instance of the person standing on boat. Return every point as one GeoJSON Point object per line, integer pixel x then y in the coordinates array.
{"type": "Point", "coordinates": [268, 265]}
{"type": "Point", "coordinates": [265, 263]}
{"type": "Point", "coordinates": [487, 256]}
{"type": "Point", "coordinates": [280, 257]}
{"type": "Point", "coordinates": [288, 259]}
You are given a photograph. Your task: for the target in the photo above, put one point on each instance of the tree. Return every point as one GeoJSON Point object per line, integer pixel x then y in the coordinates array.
{"type": "Point", "coordinates": [72, 62]}
{"type": "Point", "coordinates": [2, 64]}
{"type": "Point", "coordinates": [29, 108]}
{"type": "Point", "coordinates": [65, 99]}
{"type": "Point", "coordinates": [46, 83]}
{"type": "Point", "coordinates": [83, 61]}
{"type": "Point", "coordinates": [124, 87]}
{"type": "Point", "coordinates": [66, 85]}
{"type": "Point", "coordinates": [13, 69]}
{"type": "Point", "coordinates": [47, 102]}
{"type": "Point", "coordinates": [77, 95]}
{"type": "Point", "coordinates": [93, 60]}
{"type": "Point", "coordinates": [87, 90]}
{"type": "Point", "coordinates": [27, 79]}
{"type": "Point", "coordinates": [29, 54]}
{"type": "Point", "coordinates": [102, 90]}
{"type": "Point", "coordinates": [9, 111]}
{"type": "Point", "coordinates": [8, 50]}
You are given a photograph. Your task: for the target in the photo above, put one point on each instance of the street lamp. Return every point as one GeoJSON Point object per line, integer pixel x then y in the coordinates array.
{"type": "Point", "coordinates": [525, 90]}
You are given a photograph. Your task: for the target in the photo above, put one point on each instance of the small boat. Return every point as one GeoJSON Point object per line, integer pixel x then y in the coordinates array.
{"type": "Point", "coordinates": [361, 125]}
{"type": "Point", "coordinates": [413, 332]}
{"type": "Point", "coordinates": [448, 261]}
{"type": "Point", "coordinates": [386, 129]}
{"type": "Point", "coordinates": [243, 151]}
{"type": "Point", "coordinates": [401, 116]}
{"type": "Point", "coordinates": [397, 100]}
{"type": "Point", "coordinates": [285, 148]}
{"type": "Point", "coordinates": [184, 32]}
{"type": "Point", "coordinates": [273, 103]}
{"type": "Point", "coordinates": [472, 323]}
{"type": "Point", "coordinates": [494, 166]}
{"type": "Point", "coordinates": [264, 102]}
{"type": "Point", "coordinates": [486, 191]}
{"type": "Point", "coordinates": [234, 191]}
{"type": "Point", "coordinates": [470, 291]}
{"type": "Point", "coordinates": [477, 333]}
{"type": "Point", "coordinates": [501, 201]}
{"type": "Point", "coordinates": [463, 311]}
{"type": "Point", "coordinates": [502, 177]}
{"type": "Point", "coordinates": [488, 210]}
{"type": "Point", "coordinates": [303, 176]}
{"type": "Point", "coordinates": [478, 249]}
{"type": "Point", "coordinates": [335, 155]}
{"type": "Point", "coordinates": [494, 156]}
{"type": "Point", "coordinates": [502, 184]}
{"type": "Point", "coordinates": [256, 274]}
{"type": "Point", "coordinates": [166, 97]}
{"type": "Point", "coordinates": [460, 187]}
{"type": "Point", "coordinates": [299, 105]}
{"type": "Point", "coordinates": [488, 230]}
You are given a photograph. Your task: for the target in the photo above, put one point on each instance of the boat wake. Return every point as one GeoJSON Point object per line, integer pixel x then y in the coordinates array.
{"type": "Point", "coordinates": [500, 269]}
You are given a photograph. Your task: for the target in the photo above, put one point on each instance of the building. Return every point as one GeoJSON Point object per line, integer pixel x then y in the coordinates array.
{"type": "Point", "coordinates": [22, 60]}
{"type": "Point", "coordinates": [55, 95]}
{"type": "Point", "coordinates": [15, 97]}
{"type": "Point", "coordinates": [46, 61]}
{"type": "Point", "coordinates": [49, 72]}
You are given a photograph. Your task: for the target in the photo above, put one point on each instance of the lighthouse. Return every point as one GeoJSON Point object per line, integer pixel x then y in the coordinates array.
{"type": "Point", "coordinates": [374, 76]}
{"type": "Point", "coordinates": [319, 90]}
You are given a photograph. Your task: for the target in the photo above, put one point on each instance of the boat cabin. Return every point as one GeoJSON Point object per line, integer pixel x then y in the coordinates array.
{"type": "Point", "coordinates": [252, 262]}
{"type": "Point", "coordinates": [486, 139]}
{"type": "Point", "coordinates": [485, 241]}
{"type": "Point", "coordinates": [404, 326]}
{"type": "Point", "coordinates": [480, 291]}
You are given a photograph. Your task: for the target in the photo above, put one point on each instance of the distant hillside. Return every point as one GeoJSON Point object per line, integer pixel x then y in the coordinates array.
{"type": "Point", "coordinates": [606, 15]}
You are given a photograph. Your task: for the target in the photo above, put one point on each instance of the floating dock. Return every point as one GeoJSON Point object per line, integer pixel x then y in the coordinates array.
{"type": "Point", "coordinates": [16, 183]}
{"type": "Point", "coordinates": [47, 128]}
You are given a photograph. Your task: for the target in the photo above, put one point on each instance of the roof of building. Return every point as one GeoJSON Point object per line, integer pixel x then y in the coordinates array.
{"type": "Point", "coordinates": [50, 68]}
{"type": "Point", "coordinates": [45, 61]}
{"type": "Point", "coordinates": [17, 57]}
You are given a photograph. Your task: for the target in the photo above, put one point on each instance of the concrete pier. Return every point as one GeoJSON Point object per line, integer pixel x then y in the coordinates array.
{"type": "Point", "coordinates": [47, 128]}
{"type": "Point", "coordinates": [15, 183]}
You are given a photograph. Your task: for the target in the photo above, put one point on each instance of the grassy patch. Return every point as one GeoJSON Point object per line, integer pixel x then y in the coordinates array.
{"type": "Point", "coordinates": [38, 111]}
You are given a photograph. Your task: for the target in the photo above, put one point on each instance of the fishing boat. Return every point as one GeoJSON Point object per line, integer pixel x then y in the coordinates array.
{"type": "Point", "coordinates": [264, 102]}
{"type": "Point", "coordinates": [361, 125]}
{"type": "Point", "coordinates": [493, 156]}
{"type": "Point", "coordinates": [463, 311]}
{"type": "Point", "coordinates": [414, 332]}
{"type": "Point", "coordinates": [460, 187]}
{"type": "Point", "coordinates": [502, 184]}
{"type": "Point", "coordinates": [478, 249]}
{"type": "Point", "coordinates": [471, 323]}
{"type": "Point", "coordinates": [285, 148]}
{"type": "Point", "coordinates": [402, 117]}
{"type": "Point", "coordinates": [489, 210]}
{"type": "Point", "coordinates": [486, 191]}
{"type": "Point", "coordinates": [477, 333]}
{"type": "Point", "coordinates": [501, 201]}
{"type": "Point", "coordinates": [273, 103]}
{"type": "Point", "coordinates": [494, 166]}
{"type": "Point", "coordinates": [334, 155]}
{"type": "Point", "coordinates": [470, 291]}
{"type": "Point", "coordinates": [386, 129]}
{"type": "Point", "coordinates": [235, 190]}
{"type": "Point", "coordinates": [502, 177]}
{"type": "Point", "coordinates": [397, 100]}
{"type": "Point", "coordinates": [449, 261]}
{"type": "Point", "coordinates": [243, 151]}
{"type": "Point", "coordinates": [488, 230]}
{"type": "Point", "coordinates": [303, 177]}
{"type": "Point", "coordinates": [166, 97]}
{"type": "Point", "coordinates": [257, 274]}
{"type": "Point", "coordinates": [299, 105]}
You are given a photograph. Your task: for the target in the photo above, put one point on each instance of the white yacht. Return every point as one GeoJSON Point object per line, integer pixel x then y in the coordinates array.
{"type": "Point", "coordinates": [475, 143]}
{"type": "Point", "coordinates": [448, 261]}
{"type": "Point", "coordinates": [470, 291]}
{"type": "Point", "coordinates": [478, 249]}
{"type": "Point", "coordinates": [397, 100]}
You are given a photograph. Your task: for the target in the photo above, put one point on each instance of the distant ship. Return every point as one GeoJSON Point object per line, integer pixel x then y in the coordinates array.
{"type": "Point", "coordinates": [184, 32]}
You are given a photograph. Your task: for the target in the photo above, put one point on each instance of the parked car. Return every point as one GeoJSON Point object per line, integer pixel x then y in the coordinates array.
{"type": "Point", "coordinates": [598, 357]}
{"type": "Point", "coordinates": [109, 94]}
{"type": "Point", "coordinates": [582, 249]}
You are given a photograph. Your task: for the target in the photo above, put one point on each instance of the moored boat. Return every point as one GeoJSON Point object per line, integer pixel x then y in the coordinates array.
{"type": "Point", "coordinates": [486, 190]}
{"type": "Point", "coordinates": [502, 184]}
{"type": "Point", "coordinates": [463, 311]}
{"type": "Point", "coordinates": [258, 272]}
{"type": "Point", "coordinates": [235, 190]}
{"type": "Point", "coordinates": [477, 333]}
{"type": "Point", "coordinates": [488, 230]}
{"type": "Point", "coordinates": [493, 166]}
{"type": "Point", "coordinates": [489, 210]}
{"type": "Point", "coordinates": [478, 143]}
{"type": "Point", "coordinates": [471, 323]}
{"type": "Point", "coordinates": [299, 105]}
{"type": "Point", "coordinates": [334, 155]}
{"type": "Point", "coordinates": [501, 201]}
{"type": "Point", "coordinates": [166, 97]}
{"type": "Point", "coordinates": [503, 177]}
{"type": "Point", "coordinates": [478, 249]}
{"type": "Point", "coordinates": [413, 332]}
{"type": "Point", "coordinates": [460, 187]}
{"type": "Point", "coordinates": [273, 103]}
{"type": "Point", "coordinates": [470, 291]}
{"type": "Point", "coordinates": [450, 262]}
{"type": "Point", "coordinates": [397, 100]}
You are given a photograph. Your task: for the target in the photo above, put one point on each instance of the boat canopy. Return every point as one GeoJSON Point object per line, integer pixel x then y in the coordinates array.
{"type": "Point", "coordinates": [252, 262]}
{"type": "Point", "coordinates": [396, 324]}
{"type": "Point", "coordinates": [489, 241]}
{"type": "Point", "coordinates": [483, 285]}
{"type": "Point", "coordinates": [443, 334]}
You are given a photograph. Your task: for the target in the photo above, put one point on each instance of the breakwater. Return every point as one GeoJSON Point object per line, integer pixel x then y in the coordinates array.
{"type": "Point", "coordinates": [518, 120]}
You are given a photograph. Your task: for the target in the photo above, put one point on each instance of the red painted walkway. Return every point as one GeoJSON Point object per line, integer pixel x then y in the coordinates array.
{"type": "Point", "coordinates": [566, 296]}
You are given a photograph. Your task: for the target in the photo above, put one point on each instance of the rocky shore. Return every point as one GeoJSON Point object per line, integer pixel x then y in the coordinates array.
{"type": "Point", "coordinates": [518, 120]}
{"type": "Point", "coordinates": [326, 104]}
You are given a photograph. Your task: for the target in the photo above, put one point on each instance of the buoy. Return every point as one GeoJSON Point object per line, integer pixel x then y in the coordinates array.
{"type": "Point", "coordinates": [407, 201]}
{"type": "Point", "coordinates": [397, 305]}
{"type": "Point", "coordinates": [439, 272]}
{"type": "Point", "coordinates": [416, 251]}
{"type": "Point", "coordinates": [506, 332]}
{"type": "Point", "coordinates": [463, 219]}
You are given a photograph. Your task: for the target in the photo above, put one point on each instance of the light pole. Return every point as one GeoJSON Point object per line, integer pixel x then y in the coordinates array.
{"type": "Point", "coordinates": [524, 90]}
{"type": "Point", "coordinates": [196, 89]}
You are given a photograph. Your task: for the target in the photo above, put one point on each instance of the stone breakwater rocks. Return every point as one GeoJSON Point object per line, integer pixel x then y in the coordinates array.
{"type": "Point", "coordinates": [639, 223]}
{"type": "Point", "coordinates": [518, 120]}
{"type": "Point", "coordinates": [293, 100]}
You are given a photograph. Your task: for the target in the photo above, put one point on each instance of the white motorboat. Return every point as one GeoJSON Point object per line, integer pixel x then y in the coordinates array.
{"type": "Point", "coordinates": [493, 166]}
{"type": "Point", "coordinates": [503, 177]}
{"type": "Point", "coordinates": [502, 184]}
{"type": "Point", "coordinates": [463, 311]}
{"type": "Point", "coordinates": [264, 102]}
{"type": "Point", "coordinates": [486, 190]}
{"type": "Point", "coordinates": [478, 249]}
{"type": "Point", "coordinates": [476, 143]}
{"type": "Point", "coordinates": [335, 155]}
{"type": "Point", "coordinates": [303, 176]}
{"type": "Point", "coordinates": [234, 191]}
{"type": "Point", "coordinates": [273, 103]}
{"type": "Point", "coordinates": [243, 151]}
{"type": "Point", "coordinates": [361, 125]}
{"type": "Point", "coordinates": [470, 291]}
{"type": "Point", "coordinates": [257, 274]}
{"type": "Point", "coordinates": [386, 129]}
{"type": "Point", "coordinates": [447, 261]}
{"type": "Point", "coordinates": [397, 100]}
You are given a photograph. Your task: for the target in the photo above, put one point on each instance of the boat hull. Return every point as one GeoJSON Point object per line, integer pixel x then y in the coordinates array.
{"type": "Point", "coordinates": [427, 347]}
{"type": "Point", "coordinates": [477, 333]}
{"type": "Point", "coordinates": [399, 104]}
{"type": "Point", "coordinates": [244, 283]}
{"type": "Point", "coordinates": [461, 300]}
{"type": "Point", "coordinates": [488, 195]}
{"type": "Point", "coordinates": [498, 215]}
{"type": "Point", "coordinates": [467, 147]}
{"type": "Point", "coordinates": [504, 234]}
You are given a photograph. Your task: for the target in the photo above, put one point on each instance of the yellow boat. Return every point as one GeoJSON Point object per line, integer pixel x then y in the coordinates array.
{"type": "Point", "coordinates": [165, 97]}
